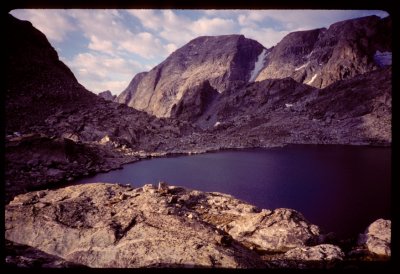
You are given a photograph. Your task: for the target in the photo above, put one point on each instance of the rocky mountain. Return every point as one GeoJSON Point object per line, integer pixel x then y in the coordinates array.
{"type": "Point", "coordinates": [276, 111]}
{"type": "Point", "coordinates": [323, 56]}
{"type": "Point", "coordinates": [56, 129]}
{"type": "Point", "coordinates": [106, 95]}
{"type": "Point", "coordinates": [317, 58]}
{"type": "Point", "coordinates": [221, 60]}
{"type": "Point", "coordinates": [31, 62]}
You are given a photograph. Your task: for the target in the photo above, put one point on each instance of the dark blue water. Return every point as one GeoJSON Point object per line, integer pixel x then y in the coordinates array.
{"type": "Point", "coordinates": [340, 188]}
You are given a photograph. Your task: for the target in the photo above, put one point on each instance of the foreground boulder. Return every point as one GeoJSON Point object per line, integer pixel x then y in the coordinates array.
{"type": "Point", "coordinates": [278, 230]}
{"type": "Point", "coordinates": [110, 225]}
{"type": "Point", "coordinates": [107, 225]}
{"type": "Point", "coordinates": [377, 237]}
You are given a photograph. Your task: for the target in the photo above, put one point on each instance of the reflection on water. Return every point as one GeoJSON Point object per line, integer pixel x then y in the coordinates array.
{"type": "Point", "coordinates": [339, 188]}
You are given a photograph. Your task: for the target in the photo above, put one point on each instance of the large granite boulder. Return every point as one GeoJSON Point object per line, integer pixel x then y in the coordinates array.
{"type": "Point", "coordinates": [377, 237]}
{"type": "Point", "coordinates": [277, 231]}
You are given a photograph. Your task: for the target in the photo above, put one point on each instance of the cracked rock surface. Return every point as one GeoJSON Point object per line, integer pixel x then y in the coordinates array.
{"type": "Point", "coordinates": [110, 225]}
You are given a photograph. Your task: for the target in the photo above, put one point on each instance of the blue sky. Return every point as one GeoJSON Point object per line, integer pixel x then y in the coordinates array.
{"type": "Point", "coordinates": [106, 48]}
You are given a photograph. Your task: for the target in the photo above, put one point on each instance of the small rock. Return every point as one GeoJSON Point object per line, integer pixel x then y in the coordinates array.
{"type": "Point", "coordinates": [163, 187]}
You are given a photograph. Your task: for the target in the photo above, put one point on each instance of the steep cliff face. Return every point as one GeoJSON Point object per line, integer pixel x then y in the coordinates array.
{"type": "Point", "coordinates": [323, 56]}
{"type": "Point", "coordinates": [222, 60]}
{"type": "Point", "coordinates": [125, 97]}
{"type": "Point", "coordinates": [194, 102]}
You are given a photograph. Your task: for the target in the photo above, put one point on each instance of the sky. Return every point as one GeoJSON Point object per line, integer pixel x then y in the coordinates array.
{"type": "Point", "coordinates": [106, 48]}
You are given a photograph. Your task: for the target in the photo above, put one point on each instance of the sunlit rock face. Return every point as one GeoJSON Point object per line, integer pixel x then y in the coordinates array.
{"type": "Point", "coordinates": [323, 56]}
{"type": "Point", "coordinates": [377, 237]}
{"type": "Point", "coordinates": [109, 225]}
{"type": "Point", "coordinates": [222, 60]}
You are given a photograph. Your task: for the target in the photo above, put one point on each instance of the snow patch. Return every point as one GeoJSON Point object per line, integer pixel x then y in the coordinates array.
{"type": "Point", "coordinates": [258, 65]}
{"type": "Point", "coordinates": [217, 124]}
{"type": "Point", "coordinates": [288, 105]}
{"type": "Point", "coordinates": [302, 66]}
{"type": "Point", "coordinates": [312, 79]}
{"type": "Point", "coordinates": [383, 58]}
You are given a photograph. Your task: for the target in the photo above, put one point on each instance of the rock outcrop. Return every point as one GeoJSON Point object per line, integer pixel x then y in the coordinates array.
{"type": "Point", "coordinates": [221, 60]}
{"type": "Point", "coordinates": [377, 237]}
{"type": "Point", "coordinates": [106, 95]}
{"type": "Point", "coordinates": [323, 56]}
{"type": "Point", "coordinates": [109, 225]}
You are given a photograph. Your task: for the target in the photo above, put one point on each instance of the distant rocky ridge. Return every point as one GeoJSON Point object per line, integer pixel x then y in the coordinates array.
{"type": "Point", "coordinates": [276, 111]}
{"type": "Point", "coordinates": [110, 225]}
{"type": "Point", "coordinates": [323, 56]}
{"type": "Point", "coordinates": [106, 95]}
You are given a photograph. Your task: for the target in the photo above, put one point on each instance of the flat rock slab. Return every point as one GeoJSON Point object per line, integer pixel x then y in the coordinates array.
{"type": "Point", "coordinates": [111, 225]}
{"type": "Point", "coordinates": [108, 225]}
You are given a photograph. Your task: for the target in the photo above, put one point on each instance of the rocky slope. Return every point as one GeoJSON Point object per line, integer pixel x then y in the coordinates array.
{"type": "Point", "coordinates": [110, 225]}
{"type": "Point", "coordinates": [279, 111]}
{"type": "Point", "coordinates": [221, 60]}
{"type": "Point", "coordinates": [30, 94]}
{"type": "Point", "coordinates": [323, 56]}
{"type": "Point", "coordinates": [56, 129]}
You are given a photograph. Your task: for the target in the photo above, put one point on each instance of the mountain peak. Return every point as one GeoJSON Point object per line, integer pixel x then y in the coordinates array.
{"type": "Point", "coordinates": [221, 60]}
{"type": "Point", "coordinates": [321, 57]}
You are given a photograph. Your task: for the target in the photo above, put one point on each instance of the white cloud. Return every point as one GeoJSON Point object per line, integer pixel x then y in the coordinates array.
{"type": "Point", "coordinates": [144, 44]}
{"type": "Point", "coordinates": [179, 29]}
{"type": "Point", "coordinates": [268, 37]}
{"type": "Point", "coordinates": [100, 72]}
{"type": "Point", "coordinates": [100, 45]}
{"type": "Point", "coordinates": [55, 24]}
{"type": "Point", "coordinates": [148, 18]}
{"type": "Point", "coordinates": [214, 26]}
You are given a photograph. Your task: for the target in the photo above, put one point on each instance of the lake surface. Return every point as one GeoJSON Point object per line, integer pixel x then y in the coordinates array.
{"type": "Point", "coordinates": [340, 188]}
